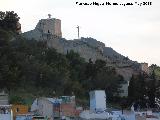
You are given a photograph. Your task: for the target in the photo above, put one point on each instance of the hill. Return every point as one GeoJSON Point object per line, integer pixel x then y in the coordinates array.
{"type": "Point", "coordinates": [29, 68]}
{"type": "Point", "coordinates": [88, 48]}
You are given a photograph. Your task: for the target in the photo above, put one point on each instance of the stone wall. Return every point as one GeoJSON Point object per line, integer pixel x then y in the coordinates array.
{"type": "Point", "coordinates": [84, 48]}
{"type": "Point", "coordinates": [144, 67]}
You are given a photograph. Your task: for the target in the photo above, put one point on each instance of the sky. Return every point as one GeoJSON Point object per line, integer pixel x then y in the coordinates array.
{"type": "Point", "coordinates": [133, 31]}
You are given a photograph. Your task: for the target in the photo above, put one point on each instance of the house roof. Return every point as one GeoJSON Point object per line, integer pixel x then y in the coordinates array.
{"type": "Point", "coordinates": [5, 106]}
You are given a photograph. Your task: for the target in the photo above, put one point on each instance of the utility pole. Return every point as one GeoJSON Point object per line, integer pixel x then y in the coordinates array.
{"type": "Point", "coordinates": [78, 30]}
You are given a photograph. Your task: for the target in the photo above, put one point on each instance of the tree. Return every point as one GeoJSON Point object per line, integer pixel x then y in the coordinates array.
{"type": "Point", "coordinates": [151, 89]}
{"type": "Point", "coordinates": [136, 89]}
{"type": "Point", "coordinates": [31, 66]}
{"type": "Point", "coordinates": [9, 20]}
{"type": "Point", "coordinates": [99, 76]}
{"type": "Point", "coordinates": [100, 64]}
{"type": "Point", "coordinates": [4, 38]}
{"type": "Point", "coordinates": [131, 89]}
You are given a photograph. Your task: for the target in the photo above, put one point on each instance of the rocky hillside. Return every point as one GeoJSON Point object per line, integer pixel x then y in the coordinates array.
{"type": "Point", "coordinates": [88, 48]}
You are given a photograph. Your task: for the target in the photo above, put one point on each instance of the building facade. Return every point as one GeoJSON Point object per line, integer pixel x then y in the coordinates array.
{"type": "Point", "coordinates": [44, 107]}
{"type": "Point", "coordinates": [19, 110]}
{"type": "Point", "coordinates": [97, 100]}
{"type": "Point", "coordinates": [54, 108]}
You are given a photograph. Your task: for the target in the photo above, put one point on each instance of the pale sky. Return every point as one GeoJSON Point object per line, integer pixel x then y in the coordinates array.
{"type": "Point", "coordinates": [133, 31]}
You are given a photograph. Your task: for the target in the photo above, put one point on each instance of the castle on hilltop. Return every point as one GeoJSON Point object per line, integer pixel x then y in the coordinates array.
{"type": "Point", "coordinates": [49, 30]}
{"type": "Point", "coordinates": [44, 29]}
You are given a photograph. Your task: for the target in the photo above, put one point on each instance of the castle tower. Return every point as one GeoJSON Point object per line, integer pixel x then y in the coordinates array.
{"type": "Point", "coordinates": [50, 26]}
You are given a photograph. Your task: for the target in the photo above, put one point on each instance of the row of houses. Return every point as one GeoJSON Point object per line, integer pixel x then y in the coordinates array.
{"type": "Point", "coordinates": [43, 108]}
{"type": "Point", "coordinates": [53, 108]}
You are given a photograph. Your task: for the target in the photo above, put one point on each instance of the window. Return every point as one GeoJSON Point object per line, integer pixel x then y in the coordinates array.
{"type": "Point", "coordinates": [17, 109]}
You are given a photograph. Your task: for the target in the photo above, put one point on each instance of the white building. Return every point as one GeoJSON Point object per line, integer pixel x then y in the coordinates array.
{"type": "Point", "coordinates": [5, 108]}
{"type": "Point", "coordinates": [97, 100]}
{"type": "Point", "coordinates": [3, 98]}
{"type": "Point", "coordinates": [6, 112]}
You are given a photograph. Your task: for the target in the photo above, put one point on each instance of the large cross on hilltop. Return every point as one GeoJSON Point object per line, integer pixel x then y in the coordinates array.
{"type": "Point", "coordinates": [78, 30]}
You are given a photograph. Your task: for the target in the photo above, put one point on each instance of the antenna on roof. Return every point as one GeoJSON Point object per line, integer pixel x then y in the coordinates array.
{"type": "Point", "coordinates": [49, 16]}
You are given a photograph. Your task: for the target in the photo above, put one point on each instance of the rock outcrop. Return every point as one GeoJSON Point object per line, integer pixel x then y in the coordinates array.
{"type": "Point", "coordinates": [86, 47]}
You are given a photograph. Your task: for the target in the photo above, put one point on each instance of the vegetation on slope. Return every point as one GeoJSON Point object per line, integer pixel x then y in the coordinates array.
{"type": "Point", "coordinates": [29, 66]}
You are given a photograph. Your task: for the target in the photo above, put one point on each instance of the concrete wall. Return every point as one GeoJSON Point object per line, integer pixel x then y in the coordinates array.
{"type": "Point", "coordinates": [100, 99]}
{"type": "Point", "coordinates": [97, 100]}
{"type": "Point", "coordinates": [5, 116]}
{"type": "Point", "coordinates": [92, 101]}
